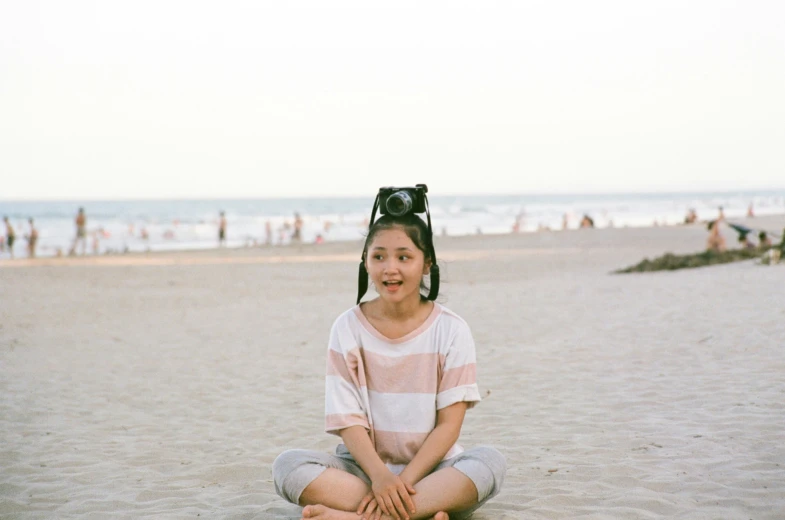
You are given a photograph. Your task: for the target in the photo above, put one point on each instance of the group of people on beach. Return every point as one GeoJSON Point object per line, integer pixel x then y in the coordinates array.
{"type": "Point", "coordinates": [8, 241]}
{"type": "Point", "coordinates": [716, 241]}
{"type": "Point", "coordinates": [288, 231]}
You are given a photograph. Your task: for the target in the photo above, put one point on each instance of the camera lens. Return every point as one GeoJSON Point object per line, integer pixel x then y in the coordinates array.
{"type": "Point", "coordinates": [399, 203]}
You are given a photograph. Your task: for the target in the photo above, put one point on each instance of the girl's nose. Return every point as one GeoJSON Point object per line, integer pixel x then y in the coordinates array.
{"type": "Point", "coordinates": [390, 266]}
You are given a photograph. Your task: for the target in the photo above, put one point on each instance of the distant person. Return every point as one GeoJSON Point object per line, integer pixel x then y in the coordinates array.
{"type": "Point", "coordinates": [222, 230]}
{"type": "Point", "coordinates": [520, 220]}
{"type": "Point", "coordinates": [763, 240]}
{"type": "Point", "coordinates": [81, 232]}
{"type": "Point", "coordinates": [565, 222]}
{"type": "Point", "coordinates": [716, 241]}
{"type": "Point", "coordinates": [297, 234]}
{"type": "Point", "coordinates": [96, 236]}
{"type": "Point", "coordinates": [268, 233]}
{"type": "Point", "coordinates": [145, 236]}
{"type": "Point", "coordinates": [32, 239]}
{"type": "Point", "coordinates": [692, 217]}
{"type": "Point", "coordinates": [10, 236]}
{"type": "Point", "coordinates": [750, 211]}
{"type": "Point", "coordinates": [745, 242]}
{"type": "Point", "coordinates": [721, 214]}
{"type": "Point", "coordinates": [587, 222]}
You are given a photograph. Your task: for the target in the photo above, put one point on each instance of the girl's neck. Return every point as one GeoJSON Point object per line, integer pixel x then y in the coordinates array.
{"type": "Point", "coordinates": [403, 310]}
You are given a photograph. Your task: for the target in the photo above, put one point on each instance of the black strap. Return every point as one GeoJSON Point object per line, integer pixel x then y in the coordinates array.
{"type": "Point", "coordinates": [434, 290]}
{"type": "Point", "coordinates": [362, 276]}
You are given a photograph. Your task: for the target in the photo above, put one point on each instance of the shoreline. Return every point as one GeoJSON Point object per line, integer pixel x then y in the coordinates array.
{"type": "Point", "coordinates": [449, 248]}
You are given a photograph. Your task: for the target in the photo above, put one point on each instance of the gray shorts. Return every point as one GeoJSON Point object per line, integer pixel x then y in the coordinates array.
{"type": "Point", "coordinates": [293, 470]}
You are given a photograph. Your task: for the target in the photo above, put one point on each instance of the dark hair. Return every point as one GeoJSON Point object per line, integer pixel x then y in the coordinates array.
{"type": "Point", "coordinates": [415, 228]}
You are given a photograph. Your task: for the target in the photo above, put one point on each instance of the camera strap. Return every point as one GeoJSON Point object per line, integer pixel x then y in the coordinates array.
{"type": "Point", "coordinates": [434, 290]}
{"type": "Point", "coordinates": [362, 279]}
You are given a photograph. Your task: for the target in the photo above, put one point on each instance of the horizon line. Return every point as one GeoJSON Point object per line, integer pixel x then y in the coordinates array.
{"type": "Point", "coordinates": [431, 195]}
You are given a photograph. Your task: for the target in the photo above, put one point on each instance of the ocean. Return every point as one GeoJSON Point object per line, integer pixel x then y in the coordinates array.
{"type": "Point", "coordinates": [116, 226]}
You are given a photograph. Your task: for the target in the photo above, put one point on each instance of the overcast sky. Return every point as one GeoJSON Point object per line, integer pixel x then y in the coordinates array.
{"type": "Point", "coordinates": [161, 99]}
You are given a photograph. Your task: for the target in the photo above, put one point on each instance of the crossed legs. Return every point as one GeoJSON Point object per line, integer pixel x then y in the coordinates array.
{"type": "Point", "coordinates": [336, 494]}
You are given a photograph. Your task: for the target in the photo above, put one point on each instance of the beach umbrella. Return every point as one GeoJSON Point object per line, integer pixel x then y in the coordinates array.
{"type": "Point", "coordinates": [744, 230]}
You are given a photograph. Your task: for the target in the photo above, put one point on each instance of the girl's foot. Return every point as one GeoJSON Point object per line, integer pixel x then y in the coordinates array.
{"type": "Point", "coordinates": [320, 512]}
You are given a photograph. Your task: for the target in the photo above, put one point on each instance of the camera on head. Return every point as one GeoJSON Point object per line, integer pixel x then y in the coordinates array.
{"type": "Point", "coordinates": [401, 201]}
{"type": "Point", "coordinates": [397, 201]}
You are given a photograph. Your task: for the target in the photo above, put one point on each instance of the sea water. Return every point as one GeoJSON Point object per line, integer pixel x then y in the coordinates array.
{"type": "Point", "coordinates": [117, 226]}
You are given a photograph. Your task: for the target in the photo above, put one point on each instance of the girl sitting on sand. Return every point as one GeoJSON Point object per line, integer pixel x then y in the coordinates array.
{"type": "Point", "coordinates": [401, 374]}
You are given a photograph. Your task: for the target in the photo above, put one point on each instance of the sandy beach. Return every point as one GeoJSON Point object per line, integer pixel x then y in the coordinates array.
{"type": "Point", "coordinates": [164, 385]}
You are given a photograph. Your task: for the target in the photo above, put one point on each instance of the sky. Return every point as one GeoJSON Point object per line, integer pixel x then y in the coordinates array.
{"type": "Point", "coordinates": [235, 99]}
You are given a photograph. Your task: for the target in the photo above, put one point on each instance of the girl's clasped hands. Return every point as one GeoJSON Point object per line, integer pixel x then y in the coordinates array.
{"type": "Point", "coordinates": [389, 495]}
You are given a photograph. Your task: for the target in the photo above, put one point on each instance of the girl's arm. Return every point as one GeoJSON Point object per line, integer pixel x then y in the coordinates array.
{"type": "Point", "coordinates": [448, 428]}
{"type": "Point", "coordinates": [359, 444]}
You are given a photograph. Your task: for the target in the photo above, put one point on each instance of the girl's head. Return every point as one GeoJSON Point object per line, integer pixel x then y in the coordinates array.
{"type": "Point", "coordinates": [397, 254]}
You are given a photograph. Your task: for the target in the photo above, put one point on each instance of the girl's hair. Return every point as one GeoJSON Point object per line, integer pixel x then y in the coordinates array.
{"type": "Point", "coordinates": [415, 228]}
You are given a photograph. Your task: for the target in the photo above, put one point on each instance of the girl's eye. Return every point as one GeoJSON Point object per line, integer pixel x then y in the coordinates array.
{"type": "Point", "coordinates": [403, 258]}
{"type": "Point", "coordinates": [377, 257]}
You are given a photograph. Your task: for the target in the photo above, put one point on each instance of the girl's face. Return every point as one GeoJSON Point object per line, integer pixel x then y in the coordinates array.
{"type": "Point", "coordinates": [395, 265]}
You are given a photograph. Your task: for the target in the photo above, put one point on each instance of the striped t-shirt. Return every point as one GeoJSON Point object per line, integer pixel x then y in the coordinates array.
{"type": "Point", "coordinates": [393, 387]}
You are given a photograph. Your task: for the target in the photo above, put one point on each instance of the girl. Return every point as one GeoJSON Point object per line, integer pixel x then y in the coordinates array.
{"type": "Point", "coordinates": [400, 376]}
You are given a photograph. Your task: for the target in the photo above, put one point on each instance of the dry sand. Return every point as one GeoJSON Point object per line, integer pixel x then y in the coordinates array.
{"type": "Point", "coordinates": [165, 385]}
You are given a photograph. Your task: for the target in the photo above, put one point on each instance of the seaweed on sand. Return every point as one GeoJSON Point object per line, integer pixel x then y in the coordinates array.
{"type": "Point", "coordinates": [671, 262]}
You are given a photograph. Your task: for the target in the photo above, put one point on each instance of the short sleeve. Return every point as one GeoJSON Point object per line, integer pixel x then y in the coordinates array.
{"type": "Point", "coordinates": [342, 398]}
{"type": "Point", "coordinates": [458, 381]}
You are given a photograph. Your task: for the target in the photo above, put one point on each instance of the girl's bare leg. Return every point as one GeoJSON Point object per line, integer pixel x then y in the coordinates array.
{"type": "Point", "coordinates": [325, 513]}
{"type": "Point", "coordinates": [335, 495]}
{"type": "Point", "coordinates": [335, 489]}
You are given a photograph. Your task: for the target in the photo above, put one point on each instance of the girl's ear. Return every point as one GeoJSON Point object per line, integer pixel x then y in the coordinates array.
{"type": "Point", "coordinates": [426, 268]}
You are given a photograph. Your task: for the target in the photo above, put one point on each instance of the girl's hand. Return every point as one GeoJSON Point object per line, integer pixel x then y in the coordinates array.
{"type": "Point", "coordinates": [369, 508]}
{"type": "Point", "coordinates": [393, 496]}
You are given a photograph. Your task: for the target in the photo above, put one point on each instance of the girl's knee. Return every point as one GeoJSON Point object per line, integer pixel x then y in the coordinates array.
{"type": "Point", "coordinates": [293, 470]}
{"type": "Point", "coordinates": [491, 468]}
{"type": "Point", "coordinates": [494, 459]}
{"type": "Point", "coordinates": [287, 461]}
